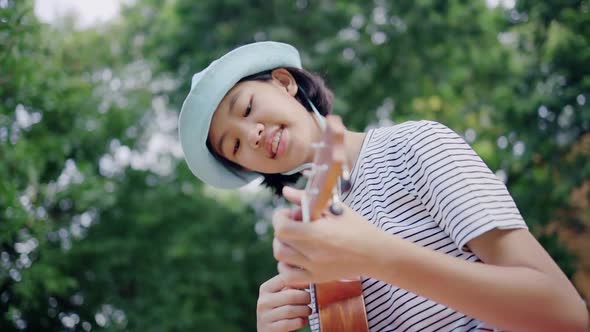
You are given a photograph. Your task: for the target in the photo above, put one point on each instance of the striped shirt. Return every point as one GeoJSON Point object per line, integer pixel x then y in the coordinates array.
{"type": "Point", "coordinates": [422, 182]}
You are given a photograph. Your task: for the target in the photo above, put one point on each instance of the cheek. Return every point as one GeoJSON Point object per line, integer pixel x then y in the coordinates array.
{"type": "Point", "coordinates": [249, 163]}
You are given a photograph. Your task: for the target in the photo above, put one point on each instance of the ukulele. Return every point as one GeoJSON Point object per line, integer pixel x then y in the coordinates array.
{"type": "Point", "coordinates": [340, 304]}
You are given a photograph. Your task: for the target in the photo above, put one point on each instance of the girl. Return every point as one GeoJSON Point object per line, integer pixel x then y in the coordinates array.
{"type": "Point", "coordinates": [436, 237]}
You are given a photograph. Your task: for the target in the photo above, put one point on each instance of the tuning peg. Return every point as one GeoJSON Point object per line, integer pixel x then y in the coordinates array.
{"type": "Point", "coordinates": [345, 183]}
{"type": "Point", "coordinates": [335, 207]}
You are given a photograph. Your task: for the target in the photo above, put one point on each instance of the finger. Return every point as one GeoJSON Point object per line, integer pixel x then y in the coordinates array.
{"type": "Point", "coordinates": [286, 253]}
{"type": "Point", "coordinates": [279, 217]}
{"type": "Point", "coordinates": [288, 324]}
{"type": "Point", "coordinates": [284, 297]}
{"type": "Point", "coordinates": [281, 213]}
{"type": "Point", "coordinates": [287, 312]}
{"type": "Point", "coordinates": [293, 275]}
{"type": "Point", "coordinates": [293, 195]}
{"type": "Point", "coordinates": [296, 214]}
{"type": "Point", "coordinates": [273, 285]}
{"type": "Point", "coordinates": [289, 296]}
{"type": "Point", "coordinates": [301, 286]}
{"type": "Point", "coordinates": [285, 227]}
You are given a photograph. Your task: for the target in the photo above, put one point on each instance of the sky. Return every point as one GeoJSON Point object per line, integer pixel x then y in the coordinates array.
{"type": "Point", "coordinates": [89, 12]}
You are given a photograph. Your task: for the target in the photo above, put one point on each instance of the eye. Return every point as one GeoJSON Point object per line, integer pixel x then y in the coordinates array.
{"type": "Point", "coordinates": [248, 109]}
{"type": "Point", "coordinates": [236, 146]}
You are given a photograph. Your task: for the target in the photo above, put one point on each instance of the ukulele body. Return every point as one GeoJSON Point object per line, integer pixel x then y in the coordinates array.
{"type": "Point", "coordinates": [341, 306]}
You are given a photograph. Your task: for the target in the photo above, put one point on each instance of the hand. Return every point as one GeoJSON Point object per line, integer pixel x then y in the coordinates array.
{"type": "Point", "coordinates": [332, 248]}
{"type": "Point", "coordinates": [281, 308]}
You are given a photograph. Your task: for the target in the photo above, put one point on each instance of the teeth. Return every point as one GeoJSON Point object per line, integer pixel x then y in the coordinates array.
{"type": "Point", "coordinates": [275, 141]}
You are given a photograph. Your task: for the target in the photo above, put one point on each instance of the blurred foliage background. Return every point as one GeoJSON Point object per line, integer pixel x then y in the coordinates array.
{"type": "Point", "coordinates": [102, 226]}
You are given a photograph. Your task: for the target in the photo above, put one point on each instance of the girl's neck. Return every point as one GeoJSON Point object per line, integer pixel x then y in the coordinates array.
{"type": "Point", "coordinates": [353, 141]}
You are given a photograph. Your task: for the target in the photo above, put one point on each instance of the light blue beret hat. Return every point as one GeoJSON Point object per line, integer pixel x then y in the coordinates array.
{"type": "Point", "coordinates": [208, 88]}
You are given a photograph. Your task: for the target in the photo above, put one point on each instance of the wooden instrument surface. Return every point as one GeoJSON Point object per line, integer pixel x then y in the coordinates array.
{"type": "Point", "coordinates": [340, 303]}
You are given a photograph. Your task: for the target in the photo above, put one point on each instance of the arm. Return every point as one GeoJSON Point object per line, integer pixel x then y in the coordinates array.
{"type": "Point", "coordinates": [519, 288]}
{"type": "Point", "coordinates": [471, 205]}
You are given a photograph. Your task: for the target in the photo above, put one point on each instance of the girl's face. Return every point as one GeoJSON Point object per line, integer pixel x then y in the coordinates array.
{"type": "Point", "coordinates": [262, 127]}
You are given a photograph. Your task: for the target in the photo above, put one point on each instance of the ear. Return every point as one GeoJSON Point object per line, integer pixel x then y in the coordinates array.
{"type": "Point", "coordinates": [284, 79]}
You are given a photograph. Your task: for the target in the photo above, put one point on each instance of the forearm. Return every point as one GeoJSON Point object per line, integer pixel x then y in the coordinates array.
{"type": "Point", "coordinates": [512, 298]}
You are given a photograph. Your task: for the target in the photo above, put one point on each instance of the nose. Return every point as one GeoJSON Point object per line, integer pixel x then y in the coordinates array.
{"type": "Point", "coordinates": [255, 135]}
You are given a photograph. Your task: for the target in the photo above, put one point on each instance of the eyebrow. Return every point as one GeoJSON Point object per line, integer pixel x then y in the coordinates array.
{"type": "Point", "coordinates": [232, 103]}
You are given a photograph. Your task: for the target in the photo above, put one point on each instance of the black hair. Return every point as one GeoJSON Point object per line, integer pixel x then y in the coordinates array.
{"type": "Point", "coordinates": [310, 85]}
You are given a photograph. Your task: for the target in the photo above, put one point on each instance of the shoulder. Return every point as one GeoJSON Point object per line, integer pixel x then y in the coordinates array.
{"type": "Point", "coordinates": [397, 131]}
{"type": "Point", "coordinates": [391, 144]}
{"type": "Point", "coordinates": [410, 129]}
{"type": "Point", "coordinates": [405, 134]}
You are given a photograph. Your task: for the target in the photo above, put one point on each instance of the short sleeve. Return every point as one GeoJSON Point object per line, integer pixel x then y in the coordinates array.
{"type": "Point", "coordinates": [454, 184]}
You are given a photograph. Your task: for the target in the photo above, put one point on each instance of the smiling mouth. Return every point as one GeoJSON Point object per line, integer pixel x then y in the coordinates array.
{"type": "Point", "coordinates": [276, 140]}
